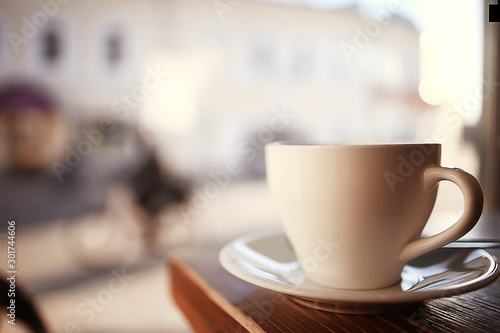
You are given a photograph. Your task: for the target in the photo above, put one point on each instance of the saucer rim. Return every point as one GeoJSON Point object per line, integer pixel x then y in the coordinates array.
{"type": "Point", "coordinates": [327, 294]}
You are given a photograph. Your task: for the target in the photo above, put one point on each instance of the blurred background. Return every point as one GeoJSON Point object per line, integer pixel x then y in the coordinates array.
{"type": "Point", "coordinates": [128, 128]}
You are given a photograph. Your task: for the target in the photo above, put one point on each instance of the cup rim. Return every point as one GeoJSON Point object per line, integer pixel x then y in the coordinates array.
{"type": "Point", "coordinates": [306, 144]}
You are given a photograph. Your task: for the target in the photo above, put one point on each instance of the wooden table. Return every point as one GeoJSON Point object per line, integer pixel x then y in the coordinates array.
{"type": "Point", "coordinates": [215, 301]}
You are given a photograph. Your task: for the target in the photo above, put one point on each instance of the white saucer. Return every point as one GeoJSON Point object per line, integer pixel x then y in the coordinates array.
{"type": "Point", "coordinates": [266, 259]}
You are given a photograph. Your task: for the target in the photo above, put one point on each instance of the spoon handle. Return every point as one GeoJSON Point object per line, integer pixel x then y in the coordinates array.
{"type": "Point", "coordinates": [473, 244]}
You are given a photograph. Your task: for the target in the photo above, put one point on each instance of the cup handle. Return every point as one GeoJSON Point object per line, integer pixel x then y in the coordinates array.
{"type": "Point", "coordinates": [473, 198]}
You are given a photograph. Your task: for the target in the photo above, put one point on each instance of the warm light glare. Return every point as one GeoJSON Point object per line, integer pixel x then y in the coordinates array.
{"type": "Point", "coordinates": [427, 42]}
{"type": "Point", "coordinates": [171, 107]}
{"type": "Point", "coordinates": [451, 60]}
{"type": "Point", "coordinates": [431, 91]}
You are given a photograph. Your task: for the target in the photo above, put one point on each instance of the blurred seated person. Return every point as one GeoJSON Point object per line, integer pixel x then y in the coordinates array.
{"type": "Point", "coordinates": [31, 129]}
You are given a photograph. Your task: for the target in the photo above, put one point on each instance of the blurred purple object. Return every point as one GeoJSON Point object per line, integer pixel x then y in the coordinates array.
{"type": "Point", "coordinates": [23, 97]}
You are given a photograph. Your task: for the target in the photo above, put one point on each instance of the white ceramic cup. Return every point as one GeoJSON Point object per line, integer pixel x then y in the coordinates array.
{"type": "Point", "coordinates": [354, 214]}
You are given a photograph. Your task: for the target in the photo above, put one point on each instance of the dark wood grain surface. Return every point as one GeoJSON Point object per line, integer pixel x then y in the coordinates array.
{"type": "Point", "coordinates": [215, 301]}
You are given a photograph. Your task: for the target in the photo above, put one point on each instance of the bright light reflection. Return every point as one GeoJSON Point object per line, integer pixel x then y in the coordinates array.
{"type": "Point", "coordinates": [431, 91]}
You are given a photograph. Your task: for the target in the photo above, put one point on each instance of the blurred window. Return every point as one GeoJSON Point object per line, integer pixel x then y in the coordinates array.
{"type": "Point", "coordinates": [339, 72]}
{"type": "Point", "coordinates": [303, 61]}
{"type": "Point", "coordinates": [111, 47]}
{"type": "Point", "coordinates": [263, 61]}
{"type": "Point", "coordinates": [114, 48]}
{"type": "Point", "coordinates": [51, 46]}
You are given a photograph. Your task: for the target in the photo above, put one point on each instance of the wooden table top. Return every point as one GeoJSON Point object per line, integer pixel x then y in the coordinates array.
{"type": "Point", "coordinates": [215, 301]}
